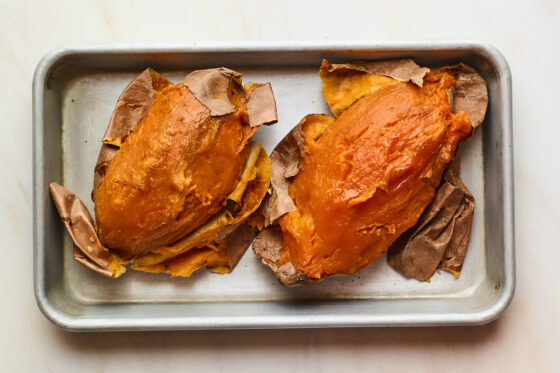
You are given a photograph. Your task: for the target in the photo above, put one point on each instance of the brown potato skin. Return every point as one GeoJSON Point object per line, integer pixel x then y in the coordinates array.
{"type": "Point", "coordinates": [368, 178]}
{"type": "Point", "coordinates": [172, 173]}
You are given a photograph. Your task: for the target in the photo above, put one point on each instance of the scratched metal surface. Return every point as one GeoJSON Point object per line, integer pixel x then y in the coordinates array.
{"type": "Point", "coordinates": [75, 90]}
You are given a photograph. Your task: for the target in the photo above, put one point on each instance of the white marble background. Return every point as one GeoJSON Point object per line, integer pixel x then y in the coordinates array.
{"type": "Point", "coordinates": [525, 339]}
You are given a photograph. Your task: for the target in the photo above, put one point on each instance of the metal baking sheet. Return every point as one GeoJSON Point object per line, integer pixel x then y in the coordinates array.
{"type": "Point", "coordinates": [74, 92]}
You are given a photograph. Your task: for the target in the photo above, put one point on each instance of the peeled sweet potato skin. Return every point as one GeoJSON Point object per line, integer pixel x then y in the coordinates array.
{"type": "Point", "coordinates": [171, 174]}
{"type": "Point", "coordinates": [368, 178]}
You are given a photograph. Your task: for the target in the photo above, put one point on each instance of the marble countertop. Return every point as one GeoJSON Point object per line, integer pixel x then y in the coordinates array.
{"type": "Point", "coordinates": [525, 338]}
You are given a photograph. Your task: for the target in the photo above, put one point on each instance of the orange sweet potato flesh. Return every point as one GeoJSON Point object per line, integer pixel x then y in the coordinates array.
{"type": "Point", "coordinates": [368, 178]}
{"type": "Point", "coordinates": [171, 174]}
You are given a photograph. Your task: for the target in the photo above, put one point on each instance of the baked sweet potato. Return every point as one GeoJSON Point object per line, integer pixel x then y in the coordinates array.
{"type": "Point", "coordinates": [176, 177]}
{"type": "Point", "coordinates": [346, 187]}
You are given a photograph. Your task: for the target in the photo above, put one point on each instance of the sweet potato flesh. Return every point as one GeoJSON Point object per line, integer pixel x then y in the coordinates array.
{"type": "Point", "coordinates": [172, 173]}
{"type": "Point", "coordinates": [342, 88]}
{"type": "Point", "coordinates": [203, 245]}
{"type": "Point", "coordinates": [369, 176]}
